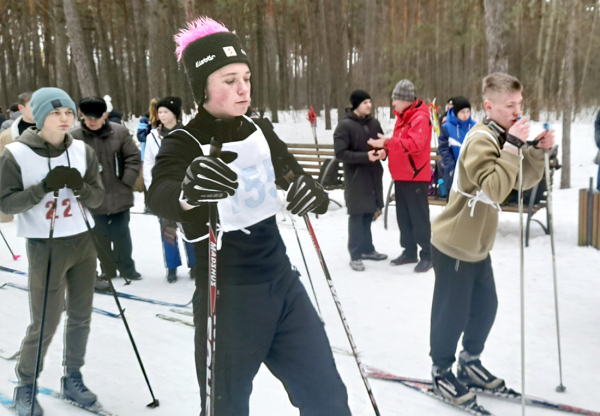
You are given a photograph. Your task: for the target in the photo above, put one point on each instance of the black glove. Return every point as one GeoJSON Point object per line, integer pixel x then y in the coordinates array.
{"type": "Point", "coordinates": [55, 179]}
{"type": "Point", "coordinates": [73, 179]}
{"type": "Point", "coordinates": [307, 195]}
{"type": "Point", "coordinates": [208, 179]}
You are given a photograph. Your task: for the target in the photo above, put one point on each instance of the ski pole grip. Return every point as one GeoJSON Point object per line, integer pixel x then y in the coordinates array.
{"type": "Point", "coordinates": [215, 145]}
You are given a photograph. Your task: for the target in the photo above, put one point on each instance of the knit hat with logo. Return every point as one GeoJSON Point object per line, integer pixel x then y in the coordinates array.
{"type": "Point", "coordinates": [172, 103]}
{"type": "Point", "coordinates": [45, 100]}
{"type": "Point", "coordinates": [404, 91]}
{"type": "Point", "coordinates": [206, 46]}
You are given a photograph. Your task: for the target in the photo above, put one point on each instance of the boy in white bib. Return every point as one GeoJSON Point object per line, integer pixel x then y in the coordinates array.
{"type": "Point", "coordinates": [45, 161]}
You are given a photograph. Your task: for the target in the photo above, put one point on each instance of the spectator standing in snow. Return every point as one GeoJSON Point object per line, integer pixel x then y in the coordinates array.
{"type": "Point", "coordinates": [168, 111]}
{"type": "Point", "coordinates": [264, 313]}
{"type": "Point", "coordinates": [363, 172]}
{"type": "Point", "coordinates": [464, 298]}
{"type": "Point", "coordinates": [452, 134]}
{"type": "Point", "coordinates": [120, 165]}
{"type": "Point", "coordinates": [21, 120]}
{"type": "Point", "coordinates": [410, 165]}
{"type": "Point", "coordinates": [46, 160]}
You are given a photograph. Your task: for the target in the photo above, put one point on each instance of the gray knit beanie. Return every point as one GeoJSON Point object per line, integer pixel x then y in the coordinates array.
{"type": "Point", "coordinates": [45, 100]}
{"type": "Point", "coordinates": [404, 91]}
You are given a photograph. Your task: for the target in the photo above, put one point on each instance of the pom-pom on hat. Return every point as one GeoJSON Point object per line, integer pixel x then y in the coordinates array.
{"type": "Point", "coordinates": [172, 103]}
{"type": "Point", "coordinates": [45, 100]}
{"type": "Point", "coordinates": [206, 46]}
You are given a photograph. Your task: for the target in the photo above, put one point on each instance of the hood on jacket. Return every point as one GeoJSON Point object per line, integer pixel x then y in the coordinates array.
{"type": "Point", "coordinates": [418, 106]}
{"type": "Point", "coordinates": [31, 138]}
{"type": "Point", "coordinates": [15, 115]}
{"type": "Point", "coordinates": [451, 118]}
{"type": "Point", "coordinates": [350, 114]}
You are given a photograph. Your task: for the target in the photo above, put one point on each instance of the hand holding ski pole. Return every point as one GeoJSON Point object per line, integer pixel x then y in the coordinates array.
{"type": "Point", "coordinates": [209, 179]}
{"type": "Point", "coordinates": [306, 195]}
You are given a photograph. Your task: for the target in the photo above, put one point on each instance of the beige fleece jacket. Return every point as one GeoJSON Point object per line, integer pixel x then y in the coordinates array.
{"type": "Point", "coordinates": [482, 165]}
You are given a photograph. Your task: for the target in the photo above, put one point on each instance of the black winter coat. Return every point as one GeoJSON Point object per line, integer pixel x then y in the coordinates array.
{"type": "Point", "coordinates": [244, 258]}
{"type": "Point", "coordinates": [363, 178]}
{"type": "Point", "coordinates": [120, 161]}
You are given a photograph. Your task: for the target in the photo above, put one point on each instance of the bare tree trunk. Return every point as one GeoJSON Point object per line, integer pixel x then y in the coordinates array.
{"type": "Point", "coordinates": [325, 74]}
{"type": "Point", "coordinates": [60, 56]}
{"type": "Point", "coordinates": [540, 79]}
{"type": "Point", "coordinates": [495, 32]}
{"type": "Point", "coordinates": [272, 63]}
{"type": "Point", "coordinates": [569, 98]}
{"type": "Point", "coordinates": [368, 68]}
{"type": "Point", "coordinates": [86, 73]}
{"type": "Point", "coordinates": [587, 55]}
{"type": "Point", "coordinates": [156, 52]}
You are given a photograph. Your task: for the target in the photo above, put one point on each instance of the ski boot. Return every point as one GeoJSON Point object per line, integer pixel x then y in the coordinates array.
{"type": "Point", "coordinates": [473, 374]}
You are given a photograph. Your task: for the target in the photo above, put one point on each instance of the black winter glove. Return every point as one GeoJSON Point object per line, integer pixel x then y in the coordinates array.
{"type": "Point", "coordinates": [56, 179]}
{"type": "Point", "coordinates": [307, 195]}
{"type": "Point", "coordinates": [208, 179]}
{"type": "Point", "coordinates": [73, 179]}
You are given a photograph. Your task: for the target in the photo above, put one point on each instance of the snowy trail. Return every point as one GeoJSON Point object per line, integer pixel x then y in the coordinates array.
{"type": "Point", "coordinates": [387, 308]}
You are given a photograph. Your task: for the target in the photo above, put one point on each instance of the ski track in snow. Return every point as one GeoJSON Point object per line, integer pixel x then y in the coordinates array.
{"type": "Point", "coordinates": [388, 311]}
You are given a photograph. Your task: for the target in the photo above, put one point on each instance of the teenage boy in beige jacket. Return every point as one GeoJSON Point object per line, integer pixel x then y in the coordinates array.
{"type": "Point", "coordinates": [464, 299]}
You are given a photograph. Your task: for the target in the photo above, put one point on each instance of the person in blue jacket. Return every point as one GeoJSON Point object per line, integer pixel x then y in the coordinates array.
{"type": "Point", "coordinates": [452, 133]}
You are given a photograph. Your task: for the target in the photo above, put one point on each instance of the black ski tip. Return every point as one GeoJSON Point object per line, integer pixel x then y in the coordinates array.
{"type": "Point", "coordinates": [561, 388]}
{"type": "Point", "coordinates": [155, 403]}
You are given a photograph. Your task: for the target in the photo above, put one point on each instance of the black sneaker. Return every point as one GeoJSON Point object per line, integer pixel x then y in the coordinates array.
{"type": "Point", "coordinates": [423, 266]}
{"type": "Point", "coordinates": [374, 256]}
{"type": "Point", "coordinates": [74, 389]}
{"type": "Point", "coordinates": [473, 374]}
{"type": "Point", "coordinates": [23, 398]}
{"type": "Point", "coordinates": [446, 385]}
{"type": "Point", "coordinates": [404, 259]}
{"type": "Point", "coordinates": [172, 276]}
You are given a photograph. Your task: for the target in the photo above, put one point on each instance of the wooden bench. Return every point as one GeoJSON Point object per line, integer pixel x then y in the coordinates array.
{"type": "Point", "coordinates": [312, 157]}
{"type": "Point", "coordinates": [531, 208]}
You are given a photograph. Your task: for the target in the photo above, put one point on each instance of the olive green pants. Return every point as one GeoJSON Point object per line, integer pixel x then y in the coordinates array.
{"type": "Point", "coordinates": [72, 273]}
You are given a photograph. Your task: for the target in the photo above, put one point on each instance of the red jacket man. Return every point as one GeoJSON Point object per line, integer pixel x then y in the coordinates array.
{"type": "Point", "coordinates": [410, 146]}
{"type": "Point", "coordinates": [409, 163]}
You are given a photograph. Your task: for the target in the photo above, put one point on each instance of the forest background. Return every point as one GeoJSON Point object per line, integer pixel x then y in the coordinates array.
{"type": "Point", "coordinates": [310, 52]}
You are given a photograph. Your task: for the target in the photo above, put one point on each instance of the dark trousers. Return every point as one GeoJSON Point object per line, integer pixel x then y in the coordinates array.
{"type": "Point", "coordinates": [114, 240]}
{"type": "Point", "coordinates": [73, 272]}
{"type": "Point", "coordinates": [412, 212]}
{"type": "Point", "coordinates": [272, 323]}
{"type": "Point", "coordinates": [464, 300]}
{"type": "Point", "coordinates": [359, 235]}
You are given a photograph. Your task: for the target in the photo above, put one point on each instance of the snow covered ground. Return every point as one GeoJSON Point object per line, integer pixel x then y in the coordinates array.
{"type": "Point", "coordinates": [387, 308]}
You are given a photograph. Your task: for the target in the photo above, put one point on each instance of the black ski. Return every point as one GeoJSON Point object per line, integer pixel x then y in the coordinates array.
{"type": "Point", "coordinates": [425, 387]}
{"type": "Point", "coordinates": [505, 393]}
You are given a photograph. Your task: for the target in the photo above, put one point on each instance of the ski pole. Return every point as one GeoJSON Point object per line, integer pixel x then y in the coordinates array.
{"type": "Point", "coordinates": [211, 325]}
{"type": "Point", "coordinates": [14, 256]}
{"type": "Point", "coordinates": [38, 360]}
{"type": "Point", "coordinates": [308, 273]}
{"type": "Point", "coordinates": [560, 388]}
{"type": "Point", "coordinates": [341, 313]}
{"type": "Point", "coordinates": [522, 274]}
{"type": "Point", "coordinates": [155, 402]}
